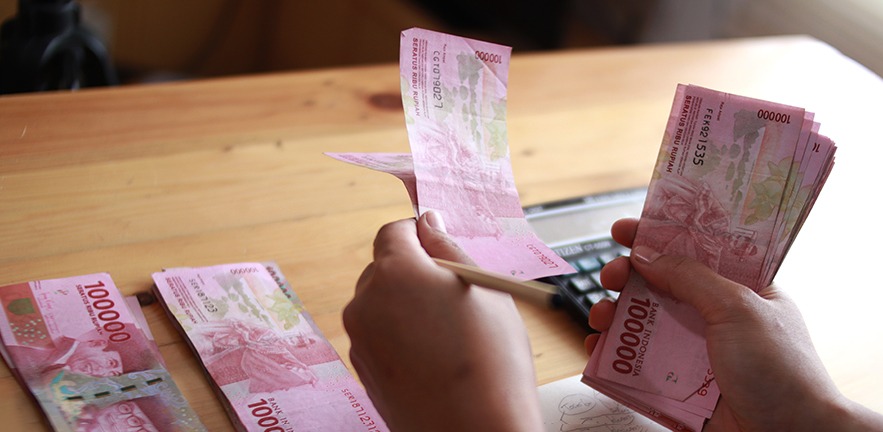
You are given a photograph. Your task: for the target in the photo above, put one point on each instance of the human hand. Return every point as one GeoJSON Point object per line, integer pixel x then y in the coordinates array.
{"type": "Point", "coordinates": [766, 367]}
{"type": "Point", "coordinates": [433, 352]}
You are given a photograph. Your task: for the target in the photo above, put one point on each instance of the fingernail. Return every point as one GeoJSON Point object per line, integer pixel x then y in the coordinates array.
{"type": "Point", "coordinates": [606, 299]}
{"type": "Point", "coordinates": [435, 221]}
{"type": "Point", "coordinates": [644, 254]}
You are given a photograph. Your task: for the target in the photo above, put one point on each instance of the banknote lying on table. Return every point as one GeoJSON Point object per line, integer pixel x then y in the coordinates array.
{"type": "Point", "coordinates": [87, 358]}
{"type": "Point", "coordinates": [267, 361]}
{"type": "Point", "coordinates": [568, 405]}
{"type": "Point", "coordinates": [454, 96]}
{"type": "Point", "coordinates": [734, 181]}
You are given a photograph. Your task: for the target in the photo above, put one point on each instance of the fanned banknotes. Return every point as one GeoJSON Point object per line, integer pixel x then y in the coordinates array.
{"type": "Point", "coordinates": [454, 95]}
{"type": "Point", "coordinates": [268, 362]}
{"type": "Point", "coordinates": [734, 181]}
{"type": "Point", "coordinates": [87, 359]}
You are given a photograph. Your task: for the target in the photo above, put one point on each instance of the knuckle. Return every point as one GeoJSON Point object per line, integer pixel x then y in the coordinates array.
{"type": "Point", "coordinates": [740, 306]}
{"type": "Point", "coordinates": [350, 317]}
{"type": "Point", "coordinates": [681, 269]}
{"type": "Point", "coordinates": [384, 232]}
{"type": "Point", "coordinates": [385, 268]}
{"type": "Point", "coordinates": [739, 302]}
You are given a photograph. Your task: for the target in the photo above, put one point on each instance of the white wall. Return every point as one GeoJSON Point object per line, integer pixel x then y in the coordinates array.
{"type": "Point", "coordinates": [855, 27]}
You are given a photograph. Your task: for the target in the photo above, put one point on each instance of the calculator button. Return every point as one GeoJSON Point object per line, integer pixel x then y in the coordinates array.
{"type": "Point", "coordinates": [588, 264]}
{"type": "Point", "coordinates": [613, 294]}
{"type": "Point", "coordinates": [595, 296]}
{"type": "Point", "coordinates": [608, 256]}
{"type": "Point", "coordinates": [596, 277]}
{"type": "Point", "coordinates": [582, 283]}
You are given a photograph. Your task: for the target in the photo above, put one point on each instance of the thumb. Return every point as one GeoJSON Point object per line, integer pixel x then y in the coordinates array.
{"type": "Point", "coordinates": [436, 241]}
{"type": "Point", "coordinates": [714, 296]}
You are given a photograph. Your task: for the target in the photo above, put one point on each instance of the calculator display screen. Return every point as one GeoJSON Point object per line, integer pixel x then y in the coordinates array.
{"type": "Point", "coordinates": [578, 225]}
{"type": "Point", "coordinates": [580, 222]}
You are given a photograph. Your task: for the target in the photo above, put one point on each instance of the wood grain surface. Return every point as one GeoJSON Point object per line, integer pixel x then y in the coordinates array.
{"type": "Point", "coordinates": [130, 180]}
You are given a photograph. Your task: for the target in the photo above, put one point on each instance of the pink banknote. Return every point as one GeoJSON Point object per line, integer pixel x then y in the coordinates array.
{"type": "Point", "coordinates": [454, 95]}
{"type": "Point", "coordinates": [138, 313]}
{"type": "Point", "coordinates": [81, 352]}
{"type": "Point", "coordinates": [734, 178]}
{"type": "Point", "coordinates": [673, 414]}
{"type": "Point", "coordinates": [801, 190]}
{"type": "Point", "coordinates": [272, 368]}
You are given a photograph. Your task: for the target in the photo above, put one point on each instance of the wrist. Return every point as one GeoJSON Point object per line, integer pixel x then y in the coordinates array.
{"type": "Point", "coordinates": [844, 415]}
{"type": "Point", "coordinates": [509, 410]}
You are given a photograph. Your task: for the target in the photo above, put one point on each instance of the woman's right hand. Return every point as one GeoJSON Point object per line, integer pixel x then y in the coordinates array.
{"type": "Point", "coordinates": [768, 371]}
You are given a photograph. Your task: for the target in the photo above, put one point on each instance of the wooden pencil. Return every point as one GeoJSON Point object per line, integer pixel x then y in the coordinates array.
{"type": "Point", "coordinates": [537, 292]}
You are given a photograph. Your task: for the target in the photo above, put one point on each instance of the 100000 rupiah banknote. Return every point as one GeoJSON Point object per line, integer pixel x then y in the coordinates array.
{"type": "Point", "coordinates": [81, 352]}
{"type": "Point", "coordinates": [454, 95]}
{"type": "Point", "coordinates": [269, 363]}
{"type": "Point", "coordinates": [734, 180]}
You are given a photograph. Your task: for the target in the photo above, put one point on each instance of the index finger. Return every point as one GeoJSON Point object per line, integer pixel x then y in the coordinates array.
{"type": "Point", "coordinates": [399, 237]}
{"type": "Point", "coordinates": [623, 231]}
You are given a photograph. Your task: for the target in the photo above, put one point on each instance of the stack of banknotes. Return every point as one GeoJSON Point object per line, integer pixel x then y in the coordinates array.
{"type": "Point", "coordinates": [268, 362]}
{"type": "Point", "coordinates": [734, 181]}
{"type": "Point", "coordinates": [454, 96]}
{"type": "Point", "coordinates": [86, 355]}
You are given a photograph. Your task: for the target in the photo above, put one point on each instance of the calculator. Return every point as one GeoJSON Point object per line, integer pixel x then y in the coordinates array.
{"type": "Point", "coordinates": [578, 230]}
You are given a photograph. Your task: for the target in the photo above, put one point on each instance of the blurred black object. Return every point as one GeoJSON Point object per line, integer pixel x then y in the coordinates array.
{"type": "Point", "coordinates": [44, 47]}
{"type": "Point", "coordinates": [544, 25]}
{"type": "Point", "coordinates": [533, 24]}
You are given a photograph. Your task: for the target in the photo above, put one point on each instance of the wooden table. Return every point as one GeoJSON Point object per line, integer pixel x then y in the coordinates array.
{"type": "Point", "coordinates": [133, 179]}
